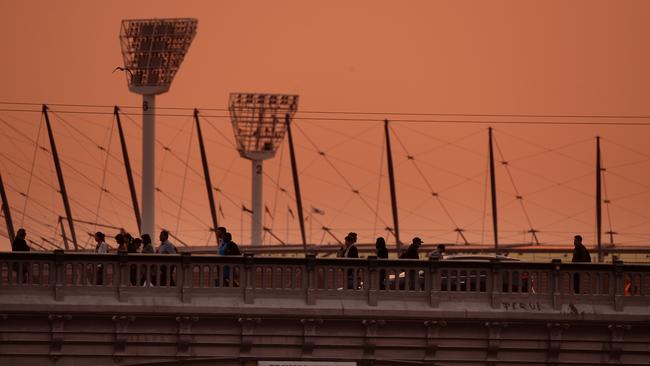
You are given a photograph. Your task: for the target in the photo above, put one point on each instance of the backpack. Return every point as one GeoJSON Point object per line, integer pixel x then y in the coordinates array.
{"type": "Point", "coordinates": [232, 249]}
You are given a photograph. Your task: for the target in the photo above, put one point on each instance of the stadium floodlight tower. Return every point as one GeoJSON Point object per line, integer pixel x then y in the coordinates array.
{"type": "Point", "coordinates": [259, 122]}
{"type": "Point", "coordinates": [153, 50]}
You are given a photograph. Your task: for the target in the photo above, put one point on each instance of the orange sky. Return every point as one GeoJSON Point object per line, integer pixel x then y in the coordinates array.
{"type": "Point", "coordinates": [498, 57]}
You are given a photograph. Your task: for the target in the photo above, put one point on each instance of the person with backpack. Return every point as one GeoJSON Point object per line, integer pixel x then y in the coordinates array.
{"type": "Point", "coordinates": [230, 248]}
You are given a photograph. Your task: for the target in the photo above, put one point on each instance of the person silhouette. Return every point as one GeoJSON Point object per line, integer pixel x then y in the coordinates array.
{"type": "Point", "coordinates": [412, 251]}
{"type": "Point", "coordinates": [439, 253]}
{"type": "Point", "coordinates": [380, 248]}
{"type": "Point", "coordinates": [382, 253]}
{"type": "Point", "coordinates": [20, 245]}
{"type": "Point", "coordinates": [580, 255]}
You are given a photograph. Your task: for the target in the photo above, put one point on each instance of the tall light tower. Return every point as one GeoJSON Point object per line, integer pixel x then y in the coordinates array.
{"type": "Point", "coordinates": [259, 122]}
{"type": "Point", "coordinates": [153, 50]}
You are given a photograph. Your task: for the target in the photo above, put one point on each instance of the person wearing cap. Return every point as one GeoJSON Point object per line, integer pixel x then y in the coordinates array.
{"type": "Point", "coordinates": [412, 251]}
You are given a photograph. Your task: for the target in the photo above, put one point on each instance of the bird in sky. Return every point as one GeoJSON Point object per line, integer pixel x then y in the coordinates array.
{"type": "Point", "coordinates": [123, 69]}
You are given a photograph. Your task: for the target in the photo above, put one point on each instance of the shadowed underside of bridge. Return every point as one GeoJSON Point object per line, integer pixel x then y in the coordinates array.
{"type": "Point", "coordinates": [71, 309]}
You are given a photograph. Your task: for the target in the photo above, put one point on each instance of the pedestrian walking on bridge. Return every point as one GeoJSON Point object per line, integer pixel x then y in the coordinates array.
{"type": "Point", "coordinates": [580, 255]}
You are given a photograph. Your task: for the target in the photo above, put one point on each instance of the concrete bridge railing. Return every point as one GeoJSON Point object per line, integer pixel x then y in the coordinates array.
{"type": "Point", "coordinates": [311, 279]}
{"type": "Point", "coordinates": [71, 309]}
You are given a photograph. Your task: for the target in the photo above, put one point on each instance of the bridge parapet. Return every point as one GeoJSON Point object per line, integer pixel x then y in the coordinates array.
{"type": "Point", "coordinates": [309, 280]}
{"type": "Point", "coordinates": [95, 309]}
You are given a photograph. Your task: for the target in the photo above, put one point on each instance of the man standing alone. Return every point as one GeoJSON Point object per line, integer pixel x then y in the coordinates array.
{"type": "Point", "coordinates": [101, 248]}
{"type": "Point", "coordinates": [349, 250]}
{"type": "Point", "coordinates": [166, 247]}
{"type": "Point", "coordinates": [20, 245]}
{"type": "Point", "coordinates": [580, 255]}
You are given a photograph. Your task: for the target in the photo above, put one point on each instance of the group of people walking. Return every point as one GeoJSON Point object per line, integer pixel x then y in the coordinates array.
{"type": "Point", "coordinates": [349, 249]}
{"type": "Point", "coordinates": [126, 243]}
{"type": "Point", "coordinates": [143, 244]}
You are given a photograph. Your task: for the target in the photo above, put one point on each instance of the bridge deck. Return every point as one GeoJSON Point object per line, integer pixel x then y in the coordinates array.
{"type": "Point", "coordinates": [143, 309]}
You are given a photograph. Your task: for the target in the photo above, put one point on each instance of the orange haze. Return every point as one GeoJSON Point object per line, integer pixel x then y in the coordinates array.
{"type": "Point", "coordinates": [475, 57]}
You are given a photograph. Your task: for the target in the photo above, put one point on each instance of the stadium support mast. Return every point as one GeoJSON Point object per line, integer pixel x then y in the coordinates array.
{"type": "Point", "coordinates": [493, 189]}
{"type": "Point", "coordinates": [59, 174]}
{"type": "Point", "coordinates": [206, 175]}
{"type": "Point", "coordinates": [7, 212]}
{"type": "Point", "coordinates": [127, 167]}
{"type": "Point", "coordinates": [599, 202]}
{"type": "Point", "coordinates": [393, 195]}
{"type": "Point", "coordinates": [296, 186]}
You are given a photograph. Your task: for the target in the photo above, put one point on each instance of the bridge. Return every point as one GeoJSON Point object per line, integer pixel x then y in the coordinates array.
{"type": "Point", "coordinates": [91, 309]}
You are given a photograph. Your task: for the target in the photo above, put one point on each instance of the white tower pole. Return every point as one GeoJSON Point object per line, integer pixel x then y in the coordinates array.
{"type": "Point", "coordinates": [148, 164]}
{"type": "Point", "coordinates": [256, 222]}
